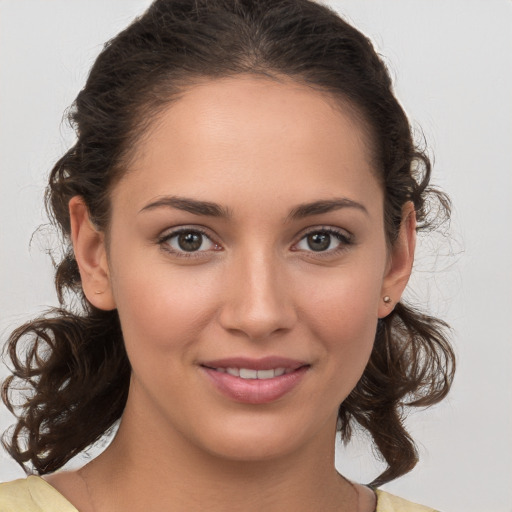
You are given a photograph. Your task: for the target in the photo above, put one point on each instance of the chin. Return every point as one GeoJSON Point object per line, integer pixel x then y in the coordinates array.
{"type": "Point", "coordinates": [260, 439]}
{"type": "Point", "coordinates": [255, 449]}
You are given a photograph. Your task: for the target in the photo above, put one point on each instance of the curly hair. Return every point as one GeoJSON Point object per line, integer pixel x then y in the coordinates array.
{"type": "Point", "coordinates": [72, 363]}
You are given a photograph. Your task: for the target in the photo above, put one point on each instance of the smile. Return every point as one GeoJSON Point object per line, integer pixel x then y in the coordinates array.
{"type": "Point", "coordinates": [247, 373]}
{"type": "Point", "coordinates": [255, 381]}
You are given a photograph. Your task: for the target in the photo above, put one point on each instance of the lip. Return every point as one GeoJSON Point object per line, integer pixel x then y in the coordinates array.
{"type": "Point", "coordinates": [255, 391]}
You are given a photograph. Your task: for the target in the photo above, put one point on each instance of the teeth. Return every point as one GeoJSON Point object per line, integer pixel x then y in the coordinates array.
{"type": "Point", "coordinates": [266, 374]}
{"type": "Point", "coordinates": [246, 373]}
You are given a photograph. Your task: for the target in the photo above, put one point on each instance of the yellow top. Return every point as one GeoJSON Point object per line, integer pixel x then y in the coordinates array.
{"type": "Point", "coordinates": [33, 494]}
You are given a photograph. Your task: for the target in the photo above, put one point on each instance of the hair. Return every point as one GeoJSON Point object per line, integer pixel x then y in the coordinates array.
{"type": "Point", "coordinates": [71, 363]}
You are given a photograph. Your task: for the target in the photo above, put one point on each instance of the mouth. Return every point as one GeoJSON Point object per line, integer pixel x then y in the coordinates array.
{"type": "Point", "coordinates": [248, 373]}
{"type": "Point", "coordinates": [255, 381]}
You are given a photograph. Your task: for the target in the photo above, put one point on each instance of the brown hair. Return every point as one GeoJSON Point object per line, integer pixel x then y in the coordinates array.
{"type": "Point", "coordinates": [72, 362]}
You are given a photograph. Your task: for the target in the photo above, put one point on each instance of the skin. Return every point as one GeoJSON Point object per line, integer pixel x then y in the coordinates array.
{"type": "Point", "coordinates": [258, 148]}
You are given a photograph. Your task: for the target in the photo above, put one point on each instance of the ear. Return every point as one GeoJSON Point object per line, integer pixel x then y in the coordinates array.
{"type": "Point", "coordinates": [400, 262]}
{"type": "Point", "coordinates": [91, 256]}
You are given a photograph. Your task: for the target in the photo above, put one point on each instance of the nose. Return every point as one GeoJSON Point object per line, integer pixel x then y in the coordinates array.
{"type": "Point", "coordinates": [259, 301]}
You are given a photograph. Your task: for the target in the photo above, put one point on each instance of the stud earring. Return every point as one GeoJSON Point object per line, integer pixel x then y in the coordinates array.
{"type": "Point", "coordinates": [386, 299]}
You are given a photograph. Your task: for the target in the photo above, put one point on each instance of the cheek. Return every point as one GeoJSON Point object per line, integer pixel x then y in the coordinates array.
{"type": "Point", "coordinates": [345, 322]}
{"type": "Point", "coordinates": [340, 311]}
{"type": "Point", "coordinates": [345, 299]}
{"type": "Point", "coordinates": [162, 310]}
{"type": "Point", "coordinates": [347, 335]}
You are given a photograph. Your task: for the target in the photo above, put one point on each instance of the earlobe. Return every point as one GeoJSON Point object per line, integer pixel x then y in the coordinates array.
{"type": "Point", "coordinates": [91, 256]}
{"type": "Point", "coordinates": [400, 262]}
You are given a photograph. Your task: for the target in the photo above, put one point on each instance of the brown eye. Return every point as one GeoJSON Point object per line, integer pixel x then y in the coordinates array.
{"type": "Point", "coordinates": [327, 240]}
{"type": "Point", "coordinates": [190, 242]}
{"type": "Point", "coordinates": [319, 241]}
{"type": "Point", "coordinates": [187, 241]}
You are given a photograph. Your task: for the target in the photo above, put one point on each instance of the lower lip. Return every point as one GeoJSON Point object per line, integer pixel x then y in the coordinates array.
{"type": "Point", "coordinates": [255, 391]}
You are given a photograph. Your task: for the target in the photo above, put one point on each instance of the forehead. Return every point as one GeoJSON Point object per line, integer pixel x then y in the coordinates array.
{"type": "Point", "coordinates": [224, 136]}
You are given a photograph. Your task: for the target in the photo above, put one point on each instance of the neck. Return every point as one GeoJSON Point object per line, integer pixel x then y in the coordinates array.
{"type": "Point", "coordinates": [143, 471]}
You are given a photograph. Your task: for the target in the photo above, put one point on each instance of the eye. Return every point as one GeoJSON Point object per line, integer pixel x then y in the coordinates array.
{"type": "Point", "coordinates": [185, 242]}
{"type": "Point", "coordinates": [324, 240]}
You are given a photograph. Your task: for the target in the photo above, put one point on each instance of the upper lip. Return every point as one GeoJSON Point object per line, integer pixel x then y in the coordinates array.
{"type": "Point", "coordinates": [264, 363]}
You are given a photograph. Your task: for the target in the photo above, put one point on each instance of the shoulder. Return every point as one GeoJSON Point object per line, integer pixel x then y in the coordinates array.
{"type": "Point", "coordinates": [389, 503]}
{"type": "Point", "coordinates": [15, 495]}
{"type": "Point", "coordinates": [32, 494]}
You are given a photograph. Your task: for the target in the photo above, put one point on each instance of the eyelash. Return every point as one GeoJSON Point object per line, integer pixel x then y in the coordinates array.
{"type": "Point", "coordinates": [164, 240]}
{"type": "Point", "coordinates": [344, 239]}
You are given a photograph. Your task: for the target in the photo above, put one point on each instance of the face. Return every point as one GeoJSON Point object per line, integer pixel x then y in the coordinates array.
{"type": "Point", "coordinates": [247, 259]}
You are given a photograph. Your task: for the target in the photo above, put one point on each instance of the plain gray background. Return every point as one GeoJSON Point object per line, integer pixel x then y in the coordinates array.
{"type": "Point", "coordinates": [452, 64]}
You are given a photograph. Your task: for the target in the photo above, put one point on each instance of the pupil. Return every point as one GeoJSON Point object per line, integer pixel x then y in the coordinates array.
{"type": "Point", "coordinates": [190, 241]}
{"type": "Point", "coordinates": [319, 241]}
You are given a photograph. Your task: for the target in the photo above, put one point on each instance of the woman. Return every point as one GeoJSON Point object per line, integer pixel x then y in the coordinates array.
{"type": "Point", "coordinates": [241, 205]}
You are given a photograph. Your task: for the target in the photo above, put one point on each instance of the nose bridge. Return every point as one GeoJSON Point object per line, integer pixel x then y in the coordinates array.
{"type": "Point", "coordinates": [259, 303]}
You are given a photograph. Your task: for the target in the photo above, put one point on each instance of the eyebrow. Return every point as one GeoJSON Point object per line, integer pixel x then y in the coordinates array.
{"type": "Point", "coordinates": [324, 206]}
{"type": "Point", "coordinates": [207, 208]}
{"type": "Point", "coordinates": [194, 206]}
